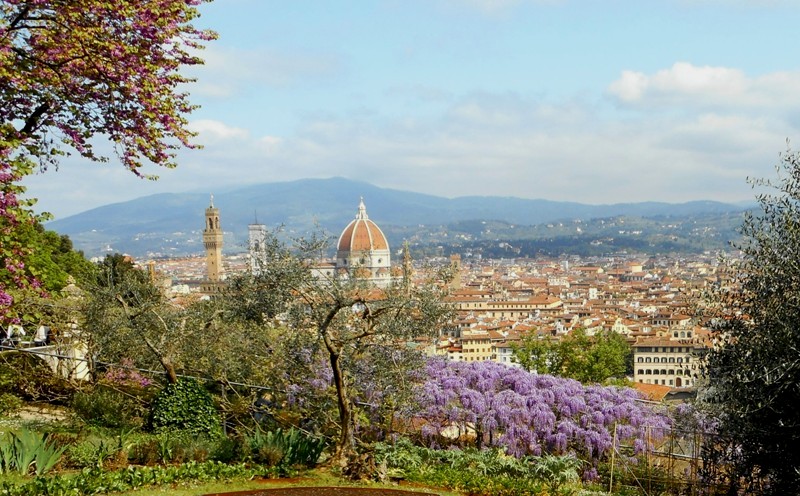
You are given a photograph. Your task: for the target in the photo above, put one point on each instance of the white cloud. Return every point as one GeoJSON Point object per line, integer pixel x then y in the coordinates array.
{"type": "Point", "coordinates": [692, 86]}
{"type": "Point", "coordinates": [211, 131]}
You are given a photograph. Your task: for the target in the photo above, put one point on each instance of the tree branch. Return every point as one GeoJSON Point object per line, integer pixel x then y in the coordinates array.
{"type": "Point", "coordinates": [33, 120]}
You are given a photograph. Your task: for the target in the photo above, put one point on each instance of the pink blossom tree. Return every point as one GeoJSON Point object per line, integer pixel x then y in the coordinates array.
{"type": "Point", "coordinates": [74, 71]}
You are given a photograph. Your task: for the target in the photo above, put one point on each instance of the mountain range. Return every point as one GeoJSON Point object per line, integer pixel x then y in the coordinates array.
{"type": "Point", "coordinates": [170, 224]}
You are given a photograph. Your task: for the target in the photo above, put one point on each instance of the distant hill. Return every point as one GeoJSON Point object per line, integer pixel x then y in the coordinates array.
{"type": "Point", "coordinates": [171, 224]}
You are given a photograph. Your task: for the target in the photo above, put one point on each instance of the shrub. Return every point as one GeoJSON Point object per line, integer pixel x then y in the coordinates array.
{"type": "Point", "coordinates": [9, 403]}
{"type": "Point", "coordinates": [471, 471]}
{"type": "Point", "coordinates": [187, 407]}
{"type": "Point", "coordinates": [557, 471]}
{"type": "Point", "coordinates": [227, 450]}
{"type": "Point", "coordinates": [172, 448]}
{"type": "Point", "coordinates": [89, 453]}
{"type": "Point", "coordinates": [30, 378]}
{"type": "Point", "coordinates": [284, 449]}
{"type": "Point", "coordinates": [107, 406]}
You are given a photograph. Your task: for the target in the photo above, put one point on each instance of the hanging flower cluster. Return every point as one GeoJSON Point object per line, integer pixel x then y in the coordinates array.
{"type": "Point", "coordinates": [531, 414]}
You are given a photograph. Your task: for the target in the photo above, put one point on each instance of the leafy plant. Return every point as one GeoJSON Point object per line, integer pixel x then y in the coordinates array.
{"type": "Point", "coordinates": [107, 406]}
{"type": "Point", "coordinates": [285, 449]}
{"type": "Point", "coordinates": [472, 471]}
{"type": "Point", "coordinates": [96, 481]}
{"type": "Point", "coordinates": [25, 451]}
{"type": "Point", "coordinates": [9, 403]}
{"type": "Point", "coordinates": [556, 471]}
{"type": "Point", "coordinates": [185, 406]}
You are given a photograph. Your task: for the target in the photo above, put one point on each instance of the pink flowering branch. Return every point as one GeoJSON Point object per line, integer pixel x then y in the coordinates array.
{"type": "Point", "coordinates": [71, 71]}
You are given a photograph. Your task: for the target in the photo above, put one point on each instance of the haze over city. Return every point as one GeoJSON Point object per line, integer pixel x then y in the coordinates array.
{"type": "Point", "coordinates": [598, 102]}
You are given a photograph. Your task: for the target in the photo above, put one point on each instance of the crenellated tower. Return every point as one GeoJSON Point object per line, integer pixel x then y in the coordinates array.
{"type": "Point", "coordinates": [212, 240]}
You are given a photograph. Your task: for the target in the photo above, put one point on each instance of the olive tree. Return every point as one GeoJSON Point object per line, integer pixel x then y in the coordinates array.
{"type": "Point", "coordinates": [753, 371]}
{"type": "Point", "coordinates": [351, 322]}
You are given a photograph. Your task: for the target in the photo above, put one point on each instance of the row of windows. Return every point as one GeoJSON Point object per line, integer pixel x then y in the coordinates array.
{"type": "Point", "coordinates": [664, 382]}
{"type": "Point", "coordinates": [663, 360]}
{"type": "Point", "coordinates": [663, 372]}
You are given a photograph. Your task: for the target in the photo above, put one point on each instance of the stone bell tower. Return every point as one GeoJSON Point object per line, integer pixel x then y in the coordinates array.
{"type": "Point", "coordinates": [212, 240]}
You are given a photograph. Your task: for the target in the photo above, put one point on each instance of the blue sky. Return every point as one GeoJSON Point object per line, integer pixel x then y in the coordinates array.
{"type": "Point", "coordinates": [591, 101]}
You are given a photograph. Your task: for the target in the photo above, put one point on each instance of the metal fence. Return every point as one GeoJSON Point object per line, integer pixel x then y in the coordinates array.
{"type": "Point", "coordinates": [673, 464]}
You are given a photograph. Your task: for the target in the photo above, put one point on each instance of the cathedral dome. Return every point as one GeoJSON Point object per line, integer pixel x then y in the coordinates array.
{"type": "Point", "coordinates": [362, 234]}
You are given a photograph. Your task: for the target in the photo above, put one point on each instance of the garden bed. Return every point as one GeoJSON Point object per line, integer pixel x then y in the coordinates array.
{"type": "Point", "coordinates": [323, 491]}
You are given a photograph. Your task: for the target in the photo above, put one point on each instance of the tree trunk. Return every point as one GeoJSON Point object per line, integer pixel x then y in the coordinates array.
{"type": "Point", "coordinates": [346, 445]}
{"type": "Point", "coordinates": [172, 376]}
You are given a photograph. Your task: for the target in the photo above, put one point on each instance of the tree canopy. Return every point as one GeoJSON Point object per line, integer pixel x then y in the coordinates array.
{"type": "Point", "coordinates": [71, 72]}
{"type": "Point", "coordinates": [603, 357]}
{"type": "Point", "coordinates": [753, 372]}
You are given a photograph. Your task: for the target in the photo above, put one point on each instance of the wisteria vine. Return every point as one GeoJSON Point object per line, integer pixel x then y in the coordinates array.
{"type": "Point", "coordinates": [531, 414]}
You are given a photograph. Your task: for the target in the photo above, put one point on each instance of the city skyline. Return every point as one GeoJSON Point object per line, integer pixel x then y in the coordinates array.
{"type": "Point", "coordinates": [561, 100]}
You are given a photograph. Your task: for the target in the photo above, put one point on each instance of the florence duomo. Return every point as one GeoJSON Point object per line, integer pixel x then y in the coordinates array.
{"type": "Point", "coordinates": [362, 252]}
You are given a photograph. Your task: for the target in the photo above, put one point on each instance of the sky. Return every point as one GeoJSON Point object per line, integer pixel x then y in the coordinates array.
{"type": "Point", "coordinates": [591, 101]}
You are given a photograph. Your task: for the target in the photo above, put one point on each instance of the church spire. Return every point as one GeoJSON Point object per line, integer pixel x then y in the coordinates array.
{"type": "Point", "coordinates": [362, 210]}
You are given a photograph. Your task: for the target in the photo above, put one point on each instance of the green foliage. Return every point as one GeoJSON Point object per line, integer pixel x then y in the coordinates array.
{"type": "Point", "coordinates": [93, 452]}
{"type": "Point", "coordinates": [556, 471]}
{"type": "Point", "coordinates": [30, 378]}
{"type": "Point", "coordinates": [130, 321]}
{"type": "Point", "coordinates": [54, 259]}
{"type": "Point", "coordinates": [753, 371]}
{"type": "Point", "coordinates": [471, 471]}
{"type": "Point", "coordinates": [263, 297]}
{"type": "Point", "coordinates": [101, 450]}
{"type": "Point", "coordinates": [601, 358]}
{"type": "Point", "coordinates": [104, 405]}
{"type": "Point", "coordinates": [96, 481]}
{"type": "Point", "coordinates": [285, 449]}
{"type": "Point", "coordinates": [185, 406]}
{"type": "Point", "coordinates": [26, 451]}
{"type": "Point", "coordinates": [9, 403]}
